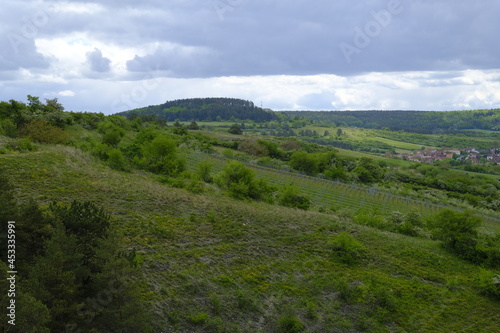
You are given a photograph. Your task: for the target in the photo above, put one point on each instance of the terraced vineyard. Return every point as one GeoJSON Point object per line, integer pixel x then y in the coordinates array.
{"type": "Point", "coordinates": [337, 195]}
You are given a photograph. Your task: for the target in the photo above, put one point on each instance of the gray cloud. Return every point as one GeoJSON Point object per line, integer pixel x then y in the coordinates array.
{"type": "Point", "coordinates": [195, 39]}
{"type": "Point", "coordinates": [97, 62]}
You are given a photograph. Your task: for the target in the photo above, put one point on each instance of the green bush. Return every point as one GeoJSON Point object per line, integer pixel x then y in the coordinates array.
{"type": "Point", "coordinates": [458, 231]}
{"type": "Point", "coordinates": [22, 145]}
{"type": "Point", "coordinates": [8, 128]}
{"type": "Point", "coordinates": [346, 248]}
{"type": "Point", "coordinates": [235, 129]}
{"type": "Point", "coordinates": [489, 283]}
{"type": "Point", "coordinates": [289, 324]}
{"type": "Point", "coordinates": [160, 156]}
{"type": "Point", "coordinates": [43, 132]}
{"type": "Point", "coordinates": [290, 197]}
{"type": "Point", "coordinates": [302, 161]}
{"type": "Point", "coordinates": [111, 138]}
{"type": "Point", "coordinates": [240, 182]}
{"type": "Point", "coordinates": [117, 161]}
{"type": "Point", "coordinates": [205, 170]}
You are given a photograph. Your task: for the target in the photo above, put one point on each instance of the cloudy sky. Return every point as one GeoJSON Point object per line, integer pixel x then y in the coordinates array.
{"type": "Point", "coordinates": [109, 56]}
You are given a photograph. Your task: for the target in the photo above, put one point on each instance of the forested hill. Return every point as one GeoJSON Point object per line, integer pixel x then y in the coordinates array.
{"type": "Point", "coordinates": [205, 109]}
{"type": "Point", "coordinates": [410, 121]}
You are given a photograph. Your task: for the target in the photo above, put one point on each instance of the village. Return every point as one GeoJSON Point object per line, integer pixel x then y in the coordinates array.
{"type": "Point", "coordinates": [471, 155]}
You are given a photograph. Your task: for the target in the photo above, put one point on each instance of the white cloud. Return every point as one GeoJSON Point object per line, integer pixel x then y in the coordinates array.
{"type": "Point", "coordinates": [66, 93]}
{"type": "Point", "coordinates": [66, 7]}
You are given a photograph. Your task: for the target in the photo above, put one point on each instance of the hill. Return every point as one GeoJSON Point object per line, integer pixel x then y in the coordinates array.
{"type": "Point", "coordinates": [410, 121]}
{"type": "Point", "coordinates": [213, 264]}
{"type": "Point", "coordinates": [135, 226]}
{"type": "Point", "coordinates": [204, 109]}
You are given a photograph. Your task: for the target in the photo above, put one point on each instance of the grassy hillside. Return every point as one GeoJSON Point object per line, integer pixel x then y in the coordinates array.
{"type": "Point", "coordinates": [214, 264]}
{"type": "Point", "coordinates": [136, 225]}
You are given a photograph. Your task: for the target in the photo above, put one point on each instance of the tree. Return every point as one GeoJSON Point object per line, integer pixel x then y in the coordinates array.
{"type": "Point", "coordinates": [458, 231]}
{"type": "Point", "coordinates": [290, 197]}
{"type": "Point", "coordinates": [40, 131]}
{"type": "Point", "coordinates": [193, 126]}
{"type": "Point", "coordinates": [339, 132]}
{"type": "Point", "coordinates": [235, 129]}
{"type": "Point", "coordinates": [205, 170]}
{"type": "Point", "coordinates": [241, 183]}
{"type": "Point", "coordinates": [160, 155]}
{"type": "Point", "coordinates": [54, 104]}
{"type": "Point", "coordinates": [303, 161]}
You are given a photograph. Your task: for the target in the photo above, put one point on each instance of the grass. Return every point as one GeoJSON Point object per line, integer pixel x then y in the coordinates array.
{"type": "Point", "coordinates": [333, 195]}
{"type": "Point", "coordinates": [213, 264]}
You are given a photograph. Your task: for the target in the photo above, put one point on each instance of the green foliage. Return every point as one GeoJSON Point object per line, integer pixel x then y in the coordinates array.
{"type": "Point", "coordinates": [240, 182]}
{"type": "Point", "coordinates": [235, 129]}
{"type": "Point", "coordinates": [89, 225]}
{"type": "Point", "coordinates": [43, 132]}
{"type": "Point", "coordinates": [346, 248]}
{"type": "Point", "coordinates": [32, 316]}
{"type": "Point", "coordinates": [8, 128]}
{"type": "Point", "coordinates": [410, 121]}
{"type": "Point", "coordinates": [111, 132]}
{"type": "Point", "coordinates": [406, 224]}
{"type": "Point", "coordinates": [368, 171]}
{"type": "Point", "coordinates": [209, 109]}
{"type": "Point", "coordinates": [290, 197]}
{"type": "Point", "coordinates": [23, 145]}
{"type": "Point", "coordinates": [289, 324]}
{"type": "Point", "coordinates": [111, 138]}
{"type": "Point", "coordinates": [72, 273]}
{"type": "Point", "coordinates": [205, 171]}
{"type": "Point", "coordinates": [489, 283]}
{"type": "Point", "coordinates": [117, 161]}
{"type": "Point", "coordinates": [160, 156]}
{"type": "Point", "coordinates": [193, 126]}
{"type": "Point", "coordinates": [458, 231]}
{"type": "Point", "coordinates": [305, 162]}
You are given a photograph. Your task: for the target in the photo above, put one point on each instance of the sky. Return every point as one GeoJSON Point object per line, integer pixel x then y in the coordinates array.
{"type": "Point", "coordinates": [110, 56]}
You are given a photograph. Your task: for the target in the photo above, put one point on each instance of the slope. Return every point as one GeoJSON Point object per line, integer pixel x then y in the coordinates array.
{"type": "Point", "coordinates": [213, 264]}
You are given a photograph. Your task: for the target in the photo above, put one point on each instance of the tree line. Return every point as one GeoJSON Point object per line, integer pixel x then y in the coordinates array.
{"type": "Point", "coordinates": [424, 122]}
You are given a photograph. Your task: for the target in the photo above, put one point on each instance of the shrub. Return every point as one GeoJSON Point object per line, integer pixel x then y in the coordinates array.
{"type": "Point", "coordinates": [41, 131]}
{"type": "Point", "coordinates": [241, 183]}
{"type": "Point", "coordinates": [8, 128]}
{"type": "Point", "coordinates": [346, 248]}
{"type": "Point", "coordinates": [116, 160]}
{"type": "Point", "coordinates": [458, 231]}
{"type": "Point", "coordinates": [289, 324]}
{"type": "Point", "coordinates": [290, 197]}
{"type": "Point", "coordinates": [160, 155]}
{"type": "Point", "coordinates": [205, 170]}
{"type": "Point", "coordinates": [489, 283]}
{"type": "Point", "coordinates": [235, 129]}
{"type": "Point", "coordinates": [193, 126]}
{"type": "Point", "coordinates": [112, 138]}
{"type": "Point", "coordinates": [22, 145]}
{"type": "Point", "coordinates": [302, 161]}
